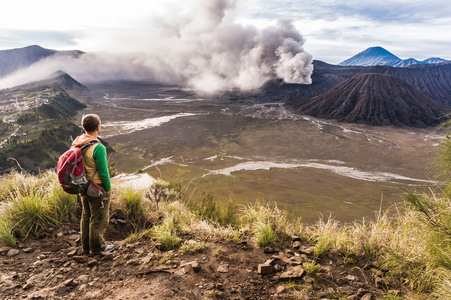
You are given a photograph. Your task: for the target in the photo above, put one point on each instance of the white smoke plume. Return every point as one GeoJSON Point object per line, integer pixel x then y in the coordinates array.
{"type": "Point", "coordinates": [205, 49]}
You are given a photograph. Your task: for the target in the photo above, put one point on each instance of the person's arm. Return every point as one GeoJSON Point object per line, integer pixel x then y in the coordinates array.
{"type": "Point", "coordinates": [99, 156]}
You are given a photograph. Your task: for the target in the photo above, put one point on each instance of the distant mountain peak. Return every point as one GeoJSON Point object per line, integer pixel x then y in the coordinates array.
{"type": "Point", "coordinates": [370, 57]}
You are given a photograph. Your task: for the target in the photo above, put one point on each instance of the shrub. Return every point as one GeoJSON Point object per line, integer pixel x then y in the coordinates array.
{"type": "Point", "coordinates": [264, 234]}
{"type": "Point", "coordinates": [28, 213]}
{"type": "Point", "coordinates": [267, 222]}
{"type": "Point", "coordinates": [223, 213]}
{"type": "Point", "coordinates": [166, 236]}
{"type": "Point", "coordinates": [131, 201]}
{"type": "Point", "coordinates": [33, 202]}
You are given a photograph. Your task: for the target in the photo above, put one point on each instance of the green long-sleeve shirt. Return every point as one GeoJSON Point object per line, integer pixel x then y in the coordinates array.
{"type": "Point", "coordinates": [100, 157]}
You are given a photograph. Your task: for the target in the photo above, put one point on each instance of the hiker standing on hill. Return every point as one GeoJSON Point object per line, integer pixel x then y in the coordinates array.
{"type": "Point", "coordinates": [95, 215]}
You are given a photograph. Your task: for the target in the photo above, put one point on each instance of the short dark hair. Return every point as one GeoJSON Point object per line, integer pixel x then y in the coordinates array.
{"type": "Point", "coordinates": [90, 122]}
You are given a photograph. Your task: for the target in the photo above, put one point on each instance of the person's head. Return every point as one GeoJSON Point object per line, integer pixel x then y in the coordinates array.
{"type": "Point", "coordinates": [90, 122]}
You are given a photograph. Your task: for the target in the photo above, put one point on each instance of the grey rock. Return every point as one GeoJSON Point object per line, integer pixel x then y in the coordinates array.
{"type": "Point", "coordinates": [223, 268]}
{"type": "Point", "coordinates": [61, 290]}
{"type": "Point", "coordinates": [280, 289]}
{"type": "Point", "coordinates": [4, 250]}
{"type": "Point", "coordinates": [368, 296]}
{"type": "Point", "coordinates": [265, 269]}
{"type": "Point", "coordinates": [68, 282]}
{"type": "Point", "coordinates": [28, 250]}
{"type": "Point", "coordinates": [79, 259]}
{"type": "Point", "coordinates": [275, 260]}
{"type": "Point", "coordinates": [294, 273]}
{"type": "Point", "coordinates": [12, 252]}
{"type": "Point", "coordinates": [192, 264]}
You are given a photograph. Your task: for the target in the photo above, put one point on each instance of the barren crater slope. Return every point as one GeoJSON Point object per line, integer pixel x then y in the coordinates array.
{"type": "Point", "coordinates": [374, 99]}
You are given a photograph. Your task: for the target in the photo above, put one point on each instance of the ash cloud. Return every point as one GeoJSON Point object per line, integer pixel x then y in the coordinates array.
{"type": "Point", "coordinates": [205, 49]}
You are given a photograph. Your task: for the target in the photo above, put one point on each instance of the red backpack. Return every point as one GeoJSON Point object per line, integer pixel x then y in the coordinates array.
{"type": "Point", "coordinates": [71, 171]}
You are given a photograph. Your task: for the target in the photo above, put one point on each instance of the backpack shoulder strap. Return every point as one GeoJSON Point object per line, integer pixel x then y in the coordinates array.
{"type": "Point", "coordinates": [88, 144]}
{"type": "Point", "coordinates": [86, 147]}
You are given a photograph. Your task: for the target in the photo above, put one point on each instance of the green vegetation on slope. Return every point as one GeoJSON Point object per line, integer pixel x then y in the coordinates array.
{"type": "Point", "coordinates": [40, 149]}
{"type": "Point", "coordinates": [37, 124]}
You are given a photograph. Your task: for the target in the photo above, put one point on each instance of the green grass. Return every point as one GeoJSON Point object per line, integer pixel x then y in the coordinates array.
{"type": "Point", "coordinates": [131, 201]}
{"type": "Point", "coordinates": [7, 237]}
{"type": "Point", "coordinates": [265, 235]}
{"type": "Point", "coordinates": [224, 213]}
{"type": "Point", "coordinates": [266, 222]}
{"type": "Point", "coordinates": [28, 213]}
{"type": "Point", "coordinates": [33, 203]}
{"type": "Point", "coordinates": [64, 206]}
{"type": "Point", "coordinates": [192, 247]}
{"type": "Point", "coordinates": [311, 267]}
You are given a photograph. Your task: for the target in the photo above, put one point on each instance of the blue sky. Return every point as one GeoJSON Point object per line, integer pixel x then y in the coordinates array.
{"type": "Point", "coordinates": [333, 30]}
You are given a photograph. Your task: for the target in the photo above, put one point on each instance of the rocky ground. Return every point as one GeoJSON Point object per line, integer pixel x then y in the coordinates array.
{"type": "Point", "coordinates": [51, 266]}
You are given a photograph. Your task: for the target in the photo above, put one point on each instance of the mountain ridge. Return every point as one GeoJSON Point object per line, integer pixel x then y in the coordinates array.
{"type": "Point", "coordinates": [12, 60]}
{"type": "Point", "coordinates": [378, 56]}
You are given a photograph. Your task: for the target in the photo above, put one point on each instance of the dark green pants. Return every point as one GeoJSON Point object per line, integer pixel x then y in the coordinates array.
{"type": "Point", "coordinates": [94, 219]}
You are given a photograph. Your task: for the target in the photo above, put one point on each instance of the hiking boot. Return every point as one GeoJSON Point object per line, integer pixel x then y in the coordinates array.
{"type": "Point", "coordinates": [108, 248]}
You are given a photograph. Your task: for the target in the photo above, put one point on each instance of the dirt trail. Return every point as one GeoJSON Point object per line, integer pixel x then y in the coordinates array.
{"type": "Point", "coordinates": [51, 266]}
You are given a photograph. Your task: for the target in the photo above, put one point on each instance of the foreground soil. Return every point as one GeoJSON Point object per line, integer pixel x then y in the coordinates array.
{"type": "Point", "coordinates": [51, 266]}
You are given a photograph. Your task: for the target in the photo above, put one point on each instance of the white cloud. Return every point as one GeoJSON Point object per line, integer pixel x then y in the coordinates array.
{"type": "Point", "coordinates": [334, 29]}
{"type": "Point", "coordinates": [204, 48]}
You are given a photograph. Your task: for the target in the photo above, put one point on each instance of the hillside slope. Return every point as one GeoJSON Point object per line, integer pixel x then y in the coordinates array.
{"type": "Point", "coordinates": [37, 134]}
{"type": "Point", "coordinates": [15, 59]}
{"type": "Point", "coordinates": [374, 99]}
